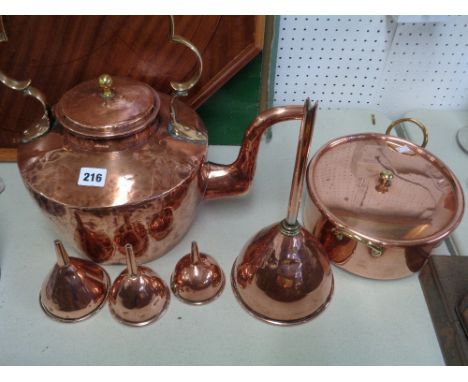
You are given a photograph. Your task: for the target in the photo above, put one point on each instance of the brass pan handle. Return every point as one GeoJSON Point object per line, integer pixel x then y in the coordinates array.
{"type": "Point", "coordinates": [421, 126]}
{"type": "Point", "coordinates": [374, 249]}
{"type": "Point", "coordinates": [41, 127]}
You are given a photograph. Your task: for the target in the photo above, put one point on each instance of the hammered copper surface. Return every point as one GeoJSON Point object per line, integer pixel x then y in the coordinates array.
{"type": "Point", "coordinates": [138, 295]}
{"type": "Point", "coordinates": [74, 289]}
{"type": "Point", "coordinates": [139, 167]}
{"type": "Point", "coordinates": [149, 199]}
{"type": "Point", "coordinates": [283, 275]}
{"type": "Point", "coordinates": [197, 278]}
{"type": "Point", "coordinates": [154, 180]}
{"type": "Point", "coordinates": [407, 218]}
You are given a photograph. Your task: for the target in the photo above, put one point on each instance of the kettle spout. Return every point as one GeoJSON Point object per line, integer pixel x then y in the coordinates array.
{"type": "Point", "coordinates": [235, 179]}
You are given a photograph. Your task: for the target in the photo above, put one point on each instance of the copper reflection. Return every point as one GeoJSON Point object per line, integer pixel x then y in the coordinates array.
{"type": "Point", "coordinates": [338, 250]}
{"type": "Point", "coordinates": [133, 233]}
{"type": "Point", "coordinates": [197, 278]}
{"type": "Point", "coordinates": [96, 244]}
{"type": "Point", "coordinates": [283, 275]}
{"type": "Point", "coordinates": [74, 289]}
{"type": "Point", "coordinates": [161, 224]}
{"type": "Point", "coordinates": [405, 216]}
{"type": "Point", "coordinates": [138, 295]}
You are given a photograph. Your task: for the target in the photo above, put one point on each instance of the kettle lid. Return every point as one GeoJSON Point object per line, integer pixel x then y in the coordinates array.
{"type": "Point", "coordinates": [108, 108]}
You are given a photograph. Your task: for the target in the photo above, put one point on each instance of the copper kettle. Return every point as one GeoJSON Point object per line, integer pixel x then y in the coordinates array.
{"type": "Point", "coordinates": [116, 162]}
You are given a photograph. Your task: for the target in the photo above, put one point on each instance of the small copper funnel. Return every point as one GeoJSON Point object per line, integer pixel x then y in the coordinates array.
{"type": "Point", "coordinates": [283, 275]}
{"type": "Point", "coordinates": [197, 278]}
{"type": "Point", "coordinates": [138, 295]}
{"type": "Point", "coordinates": [74, 289]}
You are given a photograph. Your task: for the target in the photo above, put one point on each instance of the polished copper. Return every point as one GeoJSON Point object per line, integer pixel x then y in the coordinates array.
{"type": "Point", "coordinates": [153, 158]}
{"type": "Point", "coordinates": [236, 178]}
{"type": "Point", "coordinates": [121, 108]}
{"type": "Point", "coordinates": [155, 179]}
{"type": "Point", "coordinates": [197, 278]}
{"type": "Point", "coordinates": [380, 204]}
{"type": "Point", "coordinates": [138, 295]}
{"type": "Point", "coordinates": [283, 275]}
{"type": "Point", "coordinates": [75, 288]}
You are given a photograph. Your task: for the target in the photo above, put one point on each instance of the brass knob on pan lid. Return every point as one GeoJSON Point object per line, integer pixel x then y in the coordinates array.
{"type": "Point", "coordinates": [385, 181]}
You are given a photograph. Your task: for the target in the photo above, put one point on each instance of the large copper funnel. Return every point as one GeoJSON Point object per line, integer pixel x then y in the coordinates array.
{"type": "Point", "coordinates": [283, 275]}
{"type": "Point", "coordinates": [138, 295]}
{"type": "Point", "coordinates": [74, 289]}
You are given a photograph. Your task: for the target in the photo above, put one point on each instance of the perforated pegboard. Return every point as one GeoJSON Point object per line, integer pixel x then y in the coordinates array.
{"type": "Point", "coordinates": [391, 64]}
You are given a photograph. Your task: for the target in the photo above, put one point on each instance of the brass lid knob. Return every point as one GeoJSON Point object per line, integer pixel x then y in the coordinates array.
{"type": "Point", "coordinates": [385, 181]}
{"type": "Point", "coordinates": [105, 83]}
{"type": "Point", "coordinates": [386, 176]}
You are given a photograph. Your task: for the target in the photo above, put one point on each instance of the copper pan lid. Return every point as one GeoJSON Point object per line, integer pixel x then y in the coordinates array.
{"type": "Point", "coordinates": [385, 189]}
{"type": "Point", "coordinates": [108, 107]}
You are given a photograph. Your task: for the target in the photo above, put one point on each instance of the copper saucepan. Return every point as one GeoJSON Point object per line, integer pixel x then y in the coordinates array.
{"type": "Point", "coordinates": [380, 204]}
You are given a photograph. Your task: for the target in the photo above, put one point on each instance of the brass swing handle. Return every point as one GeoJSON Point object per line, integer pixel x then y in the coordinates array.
{"type": "Point", "coordinates": [41, 127]}
{"type": "Point", "coordinates": [374, 249]}
{"type": "Point", "coordinates": [181, 89]}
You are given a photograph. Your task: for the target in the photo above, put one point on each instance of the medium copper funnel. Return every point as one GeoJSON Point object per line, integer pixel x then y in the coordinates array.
{"type": "Point", "coordinates": [74, 289]}
{"type": "Point", "coordinates": [197, 278]}
{"type": "Point", "coordinates": [283, 275]}
{"type": "Point", "coordinates": [138, 295]}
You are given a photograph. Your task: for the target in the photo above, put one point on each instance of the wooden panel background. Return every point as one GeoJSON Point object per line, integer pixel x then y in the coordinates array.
{"type": "Point", "coordinates": [58, 52]}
